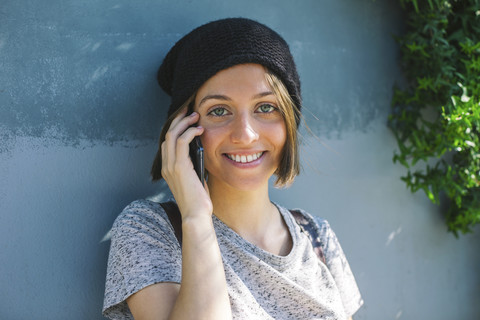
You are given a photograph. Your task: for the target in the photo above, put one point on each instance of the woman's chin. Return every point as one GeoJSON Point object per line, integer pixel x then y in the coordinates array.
{"type": "Point", "coordinates": [242, 184]}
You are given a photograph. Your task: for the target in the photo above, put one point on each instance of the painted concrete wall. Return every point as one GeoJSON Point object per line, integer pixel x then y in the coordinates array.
{"type": "Point", "coordinates": [80, 112]}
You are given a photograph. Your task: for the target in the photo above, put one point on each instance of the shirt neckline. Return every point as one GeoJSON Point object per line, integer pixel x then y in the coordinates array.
{"type": "Point", "coordinates": [227, 235]}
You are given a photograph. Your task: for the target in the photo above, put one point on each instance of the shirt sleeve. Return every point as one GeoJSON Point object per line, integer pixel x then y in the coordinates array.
{"type": "Point", "coordinates": [143, 251]}
{"type": "Point", "coordinates": [339, 268]}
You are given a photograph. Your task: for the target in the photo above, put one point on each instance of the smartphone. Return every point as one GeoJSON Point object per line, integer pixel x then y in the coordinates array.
{"type": "Point", "coordinates": [196, 155]}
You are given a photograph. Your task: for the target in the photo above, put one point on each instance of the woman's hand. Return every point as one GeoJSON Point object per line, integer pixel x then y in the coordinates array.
{"type": "Point", "coordinates": [177, 168]}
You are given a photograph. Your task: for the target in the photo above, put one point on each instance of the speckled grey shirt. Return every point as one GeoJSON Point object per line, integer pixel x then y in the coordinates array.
{"type": "Point", "coordinates": [261, 285]}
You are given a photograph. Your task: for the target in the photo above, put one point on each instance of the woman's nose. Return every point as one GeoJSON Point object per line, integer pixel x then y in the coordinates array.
{"type": "Point", "coordinates": [243, 131]}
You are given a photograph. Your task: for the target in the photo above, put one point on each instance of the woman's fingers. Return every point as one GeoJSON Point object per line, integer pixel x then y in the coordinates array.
{"type": "Point", "coordinates": [178, 127]}
{"type": "Point", "coordinates": [181, 123]}
{"type": "Point", "coordinates": [175, 148]}
{"type": "Point", "coordinates": [184, 140]}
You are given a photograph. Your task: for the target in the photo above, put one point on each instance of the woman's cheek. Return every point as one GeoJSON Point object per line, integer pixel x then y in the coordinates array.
{"type": "Point", "coordinates": [211, 139]}
{"type": "Point", "coordinates": [277, 132]}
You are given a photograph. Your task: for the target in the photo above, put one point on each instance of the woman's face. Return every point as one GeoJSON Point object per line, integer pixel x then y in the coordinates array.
{"type": "Point", "coordinates": [244, 129]}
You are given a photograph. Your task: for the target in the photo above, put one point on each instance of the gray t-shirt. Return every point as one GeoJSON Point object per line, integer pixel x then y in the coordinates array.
{"type": "Point", "coordinates": [261, 285]}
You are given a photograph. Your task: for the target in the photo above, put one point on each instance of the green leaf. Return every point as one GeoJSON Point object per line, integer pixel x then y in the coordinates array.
{"type": "Point", "coordinates": [441, 62]}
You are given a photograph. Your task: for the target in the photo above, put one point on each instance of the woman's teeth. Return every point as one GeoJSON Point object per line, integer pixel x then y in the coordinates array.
{"type": "Point", "coordinates": [243, 158]}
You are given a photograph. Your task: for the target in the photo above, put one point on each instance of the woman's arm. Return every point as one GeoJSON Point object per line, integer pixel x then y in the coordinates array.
{"type": "Point", "coordinates": [204, 288]}
{"type": "Point", "coordinates": [154, 302]}
{"type": "Point", "coordinates": [203, 291]}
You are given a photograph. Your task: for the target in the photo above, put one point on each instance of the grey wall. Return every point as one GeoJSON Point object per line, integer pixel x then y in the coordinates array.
{"type": "Point", "coordinates": [80, 112]}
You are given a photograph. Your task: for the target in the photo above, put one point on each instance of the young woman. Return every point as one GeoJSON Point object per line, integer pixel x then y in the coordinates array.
{"type": "Point", "coordinates": [241, 255]}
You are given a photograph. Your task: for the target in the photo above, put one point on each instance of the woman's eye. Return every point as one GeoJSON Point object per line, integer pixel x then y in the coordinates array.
{"type": "Point", "coordinates": [218, 112]}
{"type": "Point", "coordinates": [266, 108]}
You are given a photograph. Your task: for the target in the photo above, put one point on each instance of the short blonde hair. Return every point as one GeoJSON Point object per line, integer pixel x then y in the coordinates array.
{"type": "Point", "coordinates": [289, 166]}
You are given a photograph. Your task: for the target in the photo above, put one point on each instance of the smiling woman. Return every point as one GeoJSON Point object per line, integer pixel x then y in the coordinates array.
{"type": "Point", "coordinates": [241, 256]}
{"type": "Point", "coordinates": [241, 119]}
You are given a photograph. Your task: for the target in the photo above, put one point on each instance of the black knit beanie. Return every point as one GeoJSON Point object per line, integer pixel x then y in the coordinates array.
{"type": "Point", "coordinates": [219, 45]}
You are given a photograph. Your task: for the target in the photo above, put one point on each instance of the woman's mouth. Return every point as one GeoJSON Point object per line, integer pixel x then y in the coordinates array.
{"type": "Point", "coordinates": [244, 158]}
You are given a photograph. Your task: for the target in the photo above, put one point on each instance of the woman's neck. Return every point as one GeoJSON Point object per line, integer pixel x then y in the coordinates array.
{"type": "Point", "coordinates": [250, 213]}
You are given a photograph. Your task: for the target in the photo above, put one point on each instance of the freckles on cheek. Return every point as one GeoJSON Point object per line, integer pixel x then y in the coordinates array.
{"type": "Point", "coordinates": [208, 139]}
{"type": "Point", "coordinates": [278, 133]}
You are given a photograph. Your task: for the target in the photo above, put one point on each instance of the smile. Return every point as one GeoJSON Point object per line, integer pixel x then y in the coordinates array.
{"type": "Point", "coordinates": [244, 158]}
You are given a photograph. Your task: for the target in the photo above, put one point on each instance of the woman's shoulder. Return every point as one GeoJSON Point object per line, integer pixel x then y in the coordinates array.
{"type": "Point", "coordinates": [304, 217]}
{"type": "Point", "coordinates": [142, 214]}
{"type": "Point", "coordinates": [141, 208]}
{"type": "Point", "coordinates": [142, 205]}
{"type": "Point", "coordinates": [141, 240]}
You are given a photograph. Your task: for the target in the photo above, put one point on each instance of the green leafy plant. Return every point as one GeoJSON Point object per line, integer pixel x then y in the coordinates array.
{"type": "Point", "coordinates": [435, 115]}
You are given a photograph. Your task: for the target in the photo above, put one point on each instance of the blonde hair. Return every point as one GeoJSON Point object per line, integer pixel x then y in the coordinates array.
{"type": "Point", "coordinates": [289, 166]}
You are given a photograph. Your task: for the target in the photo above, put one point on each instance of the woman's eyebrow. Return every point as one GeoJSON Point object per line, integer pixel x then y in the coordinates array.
{"type": "Point", "coordinates": [214, 96]}
{"type": "Point", "coordinates": [225, 98]}
{"type": "Point", "coordinates": [263, 94]}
